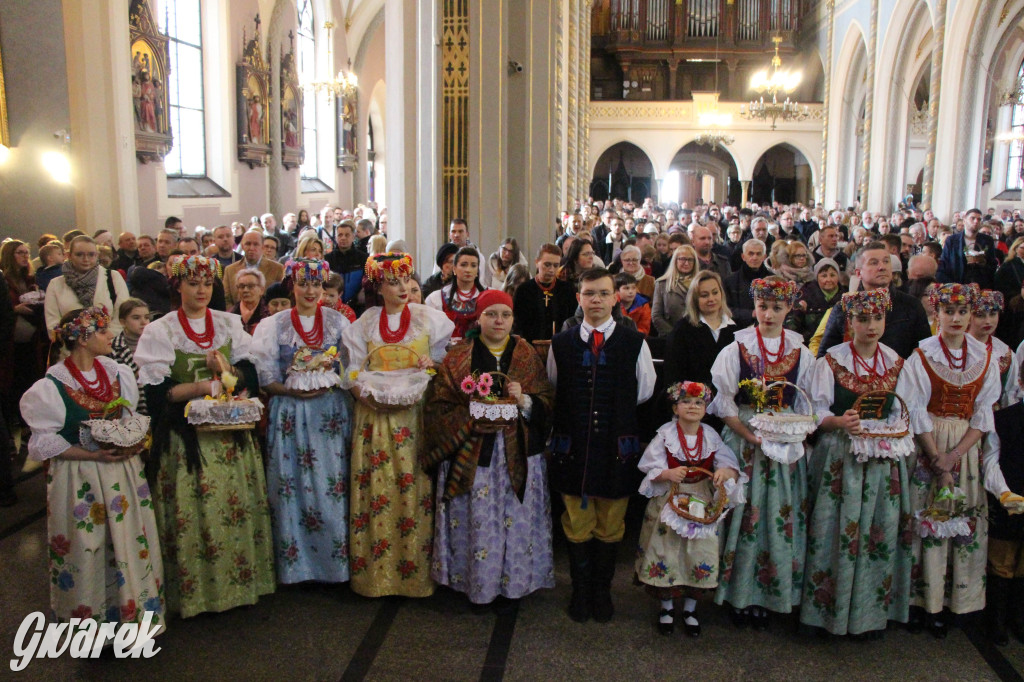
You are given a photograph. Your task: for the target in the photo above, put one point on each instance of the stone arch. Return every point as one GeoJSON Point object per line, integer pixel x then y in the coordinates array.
{"type": "Point", "coordinates": [624, 170]}
{"type": "Point", "coordinates": [788, 183]}
{"type": "Point", "coordinates": [692, 160]}
{"type": "Point", "coordinates": [376, 116]}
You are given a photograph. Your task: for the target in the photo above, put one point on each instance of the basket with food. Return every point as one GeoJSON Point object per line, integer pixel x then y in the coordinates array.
{"type": "Point", "coordinates": [888, 438]}
{"type": "Point", "coordinates": [224, 411]}
{"type": "Point", "coordinates": [124, 435]}
{"type": "Point", "coordinates": [311, 370]}
{"type": "Point", "coordinates": [783, 434]}
{"type": "Point", "coordinates": [688, 510]}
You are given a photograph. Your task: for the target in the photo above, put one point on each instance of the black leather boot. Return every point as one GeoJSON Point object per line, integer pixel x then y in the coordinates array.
{"type": "Point", "coordinates": [997, 596]}
{"type": "Point", "coordinates": [603, 556]}
{"type": "Point", "coordinates": [580, 572]}
{"type": "Point", "coordinates": [1015, 608]}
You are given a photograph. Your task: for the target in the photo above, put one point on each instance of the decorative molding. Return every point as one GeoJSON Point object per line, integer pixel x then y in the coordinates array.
{"type": "Point", "coordinates": [1005, 12]}
{"type": "Point", "coordinates": [455, 64]}
{"type": "Point", "coordinates": [150, 100]}
{"type": "Point", "coordinates": [919, 121]}
{"type": "Point", "coordinates": [253, 102]}
{"type": "Point", "coordinates": [292, 152]}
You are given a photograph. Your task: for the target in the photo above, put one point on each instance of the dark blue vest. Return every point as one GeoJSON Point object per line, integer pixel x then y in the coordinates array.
{"type": "Point", "coordinates": [1010, 429]}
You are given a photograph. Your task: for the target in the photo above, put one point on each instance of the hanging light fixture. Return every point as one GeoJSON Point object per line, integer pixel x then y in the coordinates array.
{"type": "Point", "coordinates": [344, 84]}
{"type": "Point", "coordinates": [772, 83]}
{"type": "Point", "coordinates": [713, 136]}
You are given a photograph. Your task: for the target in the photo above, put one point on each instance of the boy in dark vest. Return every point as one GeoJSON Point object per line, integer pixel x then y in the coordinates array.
{"type": "Point", "coordinates": [601, 371]}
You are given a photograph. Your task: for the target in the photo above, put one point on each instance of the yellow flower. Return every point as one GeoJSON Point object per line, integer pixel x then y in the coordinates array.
{"type": "Point", "coordinates": [353, 375]}
{"type": "Point", "coordinates": [432, 372]}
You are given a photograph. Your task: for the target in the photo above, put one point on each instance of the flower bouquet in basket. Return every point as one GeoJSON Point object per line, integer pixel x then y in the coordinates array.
{"type": "Point", "coordinates": [486, 406]}
{"type": "Point", "coordinates": [225, 411]}
{"type": "Point", "coordinates": [782, 434]}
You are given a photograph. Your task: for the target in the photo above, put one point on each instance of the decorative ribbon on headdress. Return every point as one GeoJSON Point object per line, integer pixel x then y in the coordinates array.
{"type": "Point", "coordinates": [871, 302]}
{"type": "Point", "coordinates": [689, 389]}
{"type": "Point", "coordinates": [785, 291]}
{"type": "Point", "coordinates": [308, 270]}
{"type": "Point", "coordinates": [388, 266]}
{"type": "Point", "coordinates": [194, 267]}
{"type": "Point", "coordinates": [954, 293]}
{"type": "Point", "coordinates": [988, 302]}
{"type": "Point", "coordinates": [85, 324]}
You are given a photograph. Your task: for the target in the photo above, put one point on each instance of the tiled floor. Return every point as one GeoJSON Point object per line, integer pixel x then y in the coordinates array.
{"type": "Point", "coordinates": [316, 632]}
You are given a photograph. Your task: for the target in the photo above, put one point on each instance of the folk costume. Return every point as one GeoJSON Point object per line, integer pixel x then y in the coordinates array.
{"type": "Point", "coordinates": [459, 306]}
{"type": "Point", "coordinates": [986, 303]}
{"type": "Point", "coordinates": [859, 554]}
{"type": "Point", "coordinates": [392, 501]}
{"type": "Point", "coordinates": [104, 557]}
{"type": "Point", "coordinates": [763, 553]}
{"type": "Point", "coordinates": [493, 527]}
{"type": "Point", "coordinates": [949, 391]}
{"type": "Point", "coordinates": [210, 493]}
{"type": "Point", "coordinates": [308, 439]}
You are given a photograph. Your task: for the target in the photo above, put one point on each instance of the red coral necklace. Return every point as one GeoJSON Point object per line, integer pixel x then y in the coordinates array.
{"type": "Point", "coordinates": [690, 454]}
{"type": "Point", "coordinates": [100, 389]}
{"type": "Point", "coordinates": [770, 358]}
{"type": "Point", "coordinates": [204, 340]}
{"type": "Point", "coordinates": [396, 336]}
{"type": "Point", "coordinates": [314, 338]}
{"type": "Point", "coordinates": [956, 364]}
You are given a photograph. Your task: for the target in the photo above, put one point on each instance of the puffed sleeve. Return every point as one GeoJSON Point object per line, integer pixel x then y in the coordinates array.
{"type": "Point", "coordinates": [264, 351]}
{"type": "Point", "coordinates": [916, 390]}
{"type": "Point", "coordinates": [43, 411]}
{"type": "Point", "coordinates": [241, 342]}
{"type": "Point", "coordinates": [354, 341]}
{"type": "Point", "coordinates": [154, 355]}
{"type": "Point", "coordinates": [652, 463]}
{"type": "Point", "coordinates": [987, 397]}
{"type": "Point", "coordinates": [823, 389]}
{"type": "Point", "coordinates": [441, 329]}
{"type": "Point", "coordinates": [995, 482]}
{"type": "Point", "coordinates": [129, 386]}
{"type": "Point", "coordinates": [646, 377]}
{"type": "Point", "coordinates": [725, 458]}
{"type": "Point", "coordinates": [1012, 392]}
{"type": "Point", "coordinates": [725, 375]}
{"type": "Point", "coordinates": [805, 372]}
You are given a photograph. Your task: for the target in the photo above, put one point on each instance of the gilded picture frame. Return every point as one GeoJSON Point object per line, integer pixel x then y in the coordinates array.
{"type": "Point", "coordinates": [5, 132]}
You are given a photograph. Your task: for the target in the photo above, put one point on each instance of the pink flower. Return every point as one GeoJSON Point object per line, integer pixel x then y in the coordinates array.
{"type": "Point", "coordinates": [485, 380]}
{"type": "Point", "coordinates": [468, 386]}
{"type": "Point", "coordinates": [484, 391]}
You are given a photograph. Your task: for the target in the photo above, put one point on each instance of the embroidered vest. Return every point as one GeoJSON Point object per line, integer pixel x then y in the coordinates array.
{"type": "Point", "coordinates": [786, 369]}
{"type": "Point", "coordinates": [79, 407]}
{"type": "Point", "coordinates": [849, 387]}
{"type": "Point", "coordinates": [950, 400]}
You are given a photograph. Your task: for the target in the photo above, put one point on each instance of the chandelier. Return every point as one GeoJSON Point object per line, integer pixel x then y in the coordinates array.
{"type": "Point", "coordinates": [344, 84]}
{"type": "Point", "coordinates": [771, 84]}
{"type": "Point", "coordinates": [1014, 95]}
{"type": "Point", "coordinates": [714, 137]}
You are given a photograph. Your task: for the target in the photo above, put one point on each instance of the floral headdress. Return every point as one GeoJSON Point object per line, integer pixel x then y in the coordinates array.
{"type": "Point", "coordinates": [85, 324]}
{"type": "Point", "coordinates": [873, 302]}
{"type": "Point", "coordinates": [953, 294]}
{"type": "Point", "coordinates": [988, 302]}
{"type": "Point", "coordinates": [388, 266]}
{"type": "Point", "coordinates": [194, 267]}
{"type": "Point", "coordinates": [785, 291]}
{"type": "Point", "coordinates": [308, 270]}
{"type": "Point", "coordinates": [690, 389]}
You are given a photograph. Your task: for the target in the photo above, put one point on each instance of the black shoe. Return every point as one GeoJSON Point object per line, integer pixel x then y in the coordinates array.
{"type": "Point", "coordinates": [480, 609]}
{"type": "Point", "coordinates": [740, 617]}
{"type": "Point", "coordinates": [691, 630]}
{"type": "Point", "coordinates": [669, 627]}
{"type": "Point", "coordinates": [759, 619]}
{"type": "Point", "coordinates": [938, 626]}
{"type": "Point", "coordinates": [603, 560]}
{"type": "Point", "coordinates": [915, 624]}
{"type": "Point", "coordinates": [579, 570]}
{"type": "Point", "coordinates": [504, 605]}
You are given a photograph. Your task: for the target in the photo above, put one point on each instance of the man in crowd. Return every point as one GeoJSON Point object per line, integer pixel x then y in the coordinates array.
{"type": "Point", "coordinates": [166, 240]}
{"type": "Point", "coordinates": [543, 303]}
{"type": "Point", "coordinates": [224, 240]}
{"type": "Point", "coordinates": [252, 247]}
{"type": "Point", "coordinates": [969, 256]}
{"type": "Point", "coordinates": [737, 285]}
{"type": "Point", "coordinates": [284, 240]}
{"type": "Point", "coordinates": [828, 247]}
{"type": "Point", "coordinates": [364, 230]}
{"type": "Point", "coordinates": [707, 259]}
{"type": "Point", "coordinates": [348, 261]}
{"type": "Point", "coordinates": [127, 253]}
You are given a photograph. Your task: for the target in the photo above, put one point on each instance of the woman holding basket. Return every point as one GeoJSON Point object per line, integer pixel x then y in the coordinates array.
{"type": "Point", "coordinates": [392, 506]}
{"type": "Point", "coordinates": [858, 540]}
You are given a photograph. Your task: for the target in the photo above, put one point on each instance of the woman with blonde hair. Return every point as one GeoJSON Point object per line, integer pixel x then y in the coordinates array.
{"type": "Point", "coordinates": [796, 263]}
{"type": "Point", "coordinates": [705, 329]}
{"type": "Point", "coordinates": [1010, 275]}
{"type": "Point", "coordinates": [310, 246]}
{"type": "Point", "coordinates": [378, 244]}
{"type": "Point", "coordinates": [669, 304]}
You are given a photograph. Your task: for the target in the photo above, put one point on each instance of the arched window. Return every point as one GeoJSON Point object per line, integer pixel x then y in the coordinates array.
{"type": "Point", "coordinates": [182, 22]}
{"type": "Point", "coordinates": [307, 73]}
{"type": "Point", "coordinates": [1016, 146]}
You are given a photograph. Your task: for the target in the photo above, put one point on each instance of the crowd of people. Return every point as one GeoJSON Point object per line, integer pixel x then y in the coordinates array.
{"type": "Point", "coordinates": [467, 398]}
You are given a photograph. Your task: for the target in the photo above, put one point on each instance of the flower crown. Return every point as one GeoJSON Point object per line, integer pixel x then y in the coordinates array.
{"type": "Point", "coordinates": [390, 266]}
{"type": "Point", "coordinates": [873, 302]}
{"type": "Point", "coordinates": [308, 270]}
{"type": "Point", "coordinates": [85, 324]}
{"type": "Point", "coordinates": [773, 290]}
{"type": "Point", "coordinates": [988, 302]}
{"type": "Point", "coordinates": [689, 389]}
{"type": "Point", "coordinates": [194, 267]}
{"type": "Point", "coordinates": [953, 294]}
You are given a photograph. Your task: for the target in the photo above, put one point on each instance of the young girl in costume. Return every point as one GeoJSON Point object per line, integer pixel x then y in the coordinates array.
{"type": "Point", "coordinates": [984, 320]}
{"type": "Point", "coordinates": [678, 558]}
{"type": "Point", "coordinates": [105, 561]}
{"type": "Point", "coordinates": [952, 383]}
{"type": "Point", "coordinates": [858, 540]}
{"type": "Point", "coordinates": [762, 562]}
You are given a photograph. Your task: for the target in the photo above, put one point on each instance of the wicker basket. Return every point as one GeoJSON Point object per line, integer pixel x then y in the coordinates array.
{"type": "Point", "coordinates": [395, 388]}
{"type": "Point", "coordinates": [713, 509]}
{"type": "Point", "coordinates": [943, 519]}
{"type": "Point", "coordinates": [121, 435]}
{"type": "Point", "coordinates": [499, 411]}
{"type": "Point", "coordinates": [882, 438]}
{"type": "Point", "coordinates": [784, 428]}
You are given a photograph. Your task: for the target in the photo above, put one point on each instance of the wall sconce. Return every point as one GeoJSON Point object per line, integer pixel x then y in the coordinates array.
{"type": "Point", "coordinates": [5, 154]}
{"type": "Point", "coordinates": [57, 163]}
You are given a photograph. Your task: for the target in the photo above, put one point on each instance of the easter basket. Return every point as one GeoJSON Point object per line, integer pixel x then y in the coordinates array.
{"type": "Point", "coordinates": [691, 515]}
{"type": "Point", "coordinates": [312, 370]}
{"type": "Point", "coordinates": [882, 438]}
{"type": "Point", "coordinates": [226, 412]}
{"type": "Point", "coordinates": [120, 435]}
{"type": "Point", "coordinates": [394, 388]}
{"type": "Point", "coordinates": [492, 409]}
{"type": "Point", "coordinates": [946, 516]}
{"type": "Point", "coordinates": [783, 434]}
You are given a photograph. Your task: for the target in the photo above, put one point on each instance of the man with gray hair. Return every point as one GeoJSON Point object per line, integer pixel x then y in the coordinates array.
{"type": "Point", "coordinates": [737, 285]}
{"type": "Point", "coordinates": [922, 266]}
{"type": "Point", "coordinates": [284, 240]}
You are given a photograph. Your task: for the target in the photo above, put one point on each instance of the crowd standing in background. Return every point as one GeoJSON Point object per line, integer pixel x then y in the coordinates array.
{"type": "Point", "coordinates": [637, 351]}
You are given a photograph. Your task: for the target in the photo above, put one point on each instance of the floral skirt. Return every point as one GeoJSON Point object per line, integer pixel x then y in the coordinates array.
{"type": "Point", "coordinates": [104, 557]}
{"type": "Point", "coordinates": [214, 525]}
{"type": "Point", "coordinates": [765, 540]}
{"type": "Point", "coordinates": [665, 559]}
{"type": "Point", "coordinates": [307, 479]}
{"type": "Point", "coordinates": [487, 543]}
{"type": "Point", "coordinates": [391, 527]}
{"type": "Point", "coordinates": [859, 553]}
{"type": "Point", "coordinates": [951, 572]}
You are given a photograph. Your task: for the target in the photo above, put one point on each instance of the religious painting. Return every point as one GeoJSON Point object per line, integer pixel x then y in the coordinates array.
{"type": "Point", "coordinates": [348, 155]}
{"type": "Point", "coordinates": [291, 111]}
{"type": "Point", "coordinates": [253, 99]}
{"type": "Point", "coordinates": [150, 103]}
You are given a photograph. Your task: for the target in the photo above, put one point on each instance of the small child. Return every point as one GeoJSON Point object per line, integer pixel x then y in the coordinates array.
{"type": "Point", "coordinates": [134, 316]}
{"type": "Point", "coordinates": [331, 298]}
{"type": "Point", "coordinates": [679, 561]}
{"type": "Point", "coordinates": [634, 306]}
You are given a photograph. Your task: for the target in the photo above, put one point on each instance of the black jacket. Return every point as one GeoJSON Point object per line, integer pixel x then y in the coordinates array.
{"type": "Point", "coordinates": [737, 293]}
{"type": "Point", "coordinates": [534, 320]}
{"type": "Point", "coordinates": [906, 325]}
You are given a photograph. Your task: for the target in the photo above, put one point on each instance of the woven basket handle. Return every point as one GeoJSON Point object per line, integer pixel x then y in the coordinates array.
{"type": "Point", "coordinates": [807, 398]}
{"type": "Point", "coordinates": [881, 392]}
{"type": "Point", "coordinates": [716, 509]}
{"type": "Point", "coordinates": [366, 361]}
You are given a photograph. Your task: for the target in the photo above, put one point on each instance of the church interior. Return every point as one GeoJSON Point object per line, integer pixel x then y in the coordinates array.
{"type": "Point", "coordinates": [505, 113]}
